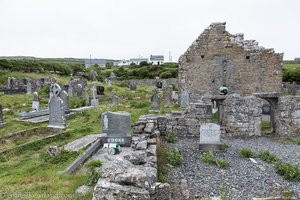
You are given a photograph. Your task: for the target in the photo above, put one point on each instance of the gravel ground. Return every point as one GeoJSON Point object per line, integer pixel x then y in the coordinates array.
{"type": "Point", "coordinates": [244, 179]}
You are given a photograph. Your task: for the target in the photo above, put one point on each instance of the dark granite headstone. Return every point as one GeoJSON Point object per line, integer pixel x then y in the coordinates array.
{"type": "Point", "coordinates": [100, 90]}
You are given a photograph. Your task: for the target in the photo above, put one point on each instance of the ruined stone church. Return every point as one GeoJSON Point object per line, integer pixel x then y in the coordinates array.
{"type": "Point", "coordinates": [218, 57]}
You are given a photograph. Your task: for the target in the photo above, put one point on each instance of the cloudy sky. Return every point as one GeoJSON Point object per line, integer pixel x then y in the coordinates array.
{"type": "Point", "coordinates": [123, 29]}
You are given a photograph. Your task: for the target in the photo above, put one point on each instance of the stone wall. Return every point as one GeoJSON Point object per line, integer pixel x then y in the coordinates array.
{"type": "Point", "coordinates": [288, 115]}
{"type": "Point", "coordinates": [151, 82]}
{"type": "Point", "coordinates": [218, 57]}
{"type": "Point", "coordinates": [242, 116]}
{"type": "Point", "coordinates": [185, 123]}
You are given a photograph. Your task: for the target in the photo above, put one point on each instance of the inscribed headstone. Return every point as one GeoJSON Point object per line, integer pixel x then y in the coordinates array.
{"type": "Point", "coordinates": [56, 108]}
{"type": "Point", "coordinates": [210, 133]}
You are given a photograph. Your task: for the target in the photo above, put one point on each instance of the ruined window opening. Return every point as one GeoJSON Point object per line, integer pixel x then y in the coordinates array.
{"type": "Point", "coordinates": [247, 57]}
{"type": "Point", "coordinates": [202, 56]}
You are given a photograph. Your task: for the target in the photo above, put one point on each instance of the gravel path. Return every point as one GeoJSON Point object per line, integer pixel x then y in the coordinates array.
{"type": "Point", "coordinates": [244, 179]}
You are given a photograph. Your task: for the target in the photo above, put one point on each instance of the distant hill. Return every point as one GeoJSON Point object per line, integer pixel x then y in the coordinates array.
{"type": "Point", "coordinates": [59, 60]}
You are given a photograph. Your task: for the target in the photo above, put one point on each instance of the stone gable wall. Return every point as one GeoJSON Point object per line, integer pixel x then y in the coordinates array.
{"type": "Point", "coordinates": [218, 57]}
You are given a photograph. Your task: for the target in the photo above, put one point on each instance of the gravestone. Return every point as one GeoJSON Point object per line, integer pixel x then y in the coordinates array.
{"type": "Point", "coordinates": [86, 95]}
{"type": "Point", "coordinates": [174, 97]}
{"type": "Point", "coordinates": [29, 87]}
{"type": "Point", "coordinates": [106, 81]}
{"type": "Point", "coordinates": [65, 98]}
{"type": "Point", "coordinates": [109, 82]}
{"type": "Point", "coordinates": [167, 96]}
{"type": "Point", "coordinates": [132, 86]}
{"type": "Point", "coordinates": [36, 102]}
{"type": "Point", "coordinates": [155, 101]}
{"type": "Point", "coordinates": [293, 88]}
{"type": "Point", "coordinates": [71, 89]}
{"type": "Point", "coordinates": [79, 90]}
{"type": "Point", "coordinates": [94, 101]}
{"type": "Point", "coordinates": [56, 108]}
{"type": "Point", "coordinates": [115, 98]}
{"type": "Point", "coordinates": [210, 137]}
{"type": "Point", "coordinates": [93, 76]}
{"type": "Point", "coordinates": [184, 99]}
{"type": "Point", "coordinates": [116, 127]}
{"type": "Point", "coordinates": [100, 90]}
{"type": "Point", "coordinates": [2, 123]}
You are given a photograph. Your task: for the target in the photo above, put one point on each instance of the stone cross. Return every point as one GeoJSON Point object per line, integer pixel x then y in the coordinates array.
{"type": "Point", "coordinates": [155, 101]}
{"type": "Point", "coordinates": [2, 123]}
{"type": "Point", "coordinates": [106, 81]}
{"type": "Point", "coordinates": [109, 82]}
{"type": "Point", "coordinates": [56, 108]}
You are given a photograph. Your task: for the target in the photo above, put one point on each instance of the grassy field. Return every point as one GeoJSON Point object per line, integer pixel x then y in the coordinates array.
{"type": "Point", "coordinates": [28, 173]}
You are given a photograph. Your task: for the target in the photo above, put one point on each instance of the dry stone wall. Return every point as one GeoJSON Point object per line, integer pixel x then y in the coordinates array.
{"type": "Point", "coordinates": [288, 115]}
{"type": "Point", "coordinates": [217, 57]}
{"type": "Point", "coordinates": [242, 116]}
{"type": "Point", "coordinates": [184, 123]}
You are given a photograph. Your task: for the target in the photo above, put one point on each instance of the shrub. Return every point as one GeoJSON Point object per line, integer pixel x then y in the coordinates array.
{"type": "Point", "coordinates": [171, 137]}
{"type": "Point", "coordinates": [76, 102]}
{"type": "Point", "coordinates": [288, 171]}
{"type": "Point", "coordinates": [222, 164]}
{"type": "Point", "coordinates": [246, 153]}
{"type": "Point", "coordinates": [139, 105]}
{"type": "Point", "coordinates": [174, 157]}
{"type": "Point", "coordinates": [144, 63]}
{"type": "Point", "coordinates": [166, 74]}
{"type": "Point", "coordinates": [268, 157]}
{"type": "Point", "coordinates": [226, 146]}
{"type": "Point", "coordinates": [209, 158]}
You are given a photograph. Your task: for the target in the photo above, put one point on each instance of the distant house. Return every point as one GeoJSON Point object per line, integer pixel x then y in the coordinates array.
{"type": "Point", "coordinates": [157, 59]}
{"type": "Point", "coordinates": [297, 60]}
{"type": "Point", "coordinates": [100, 62]}
{"type": "Point", "coordinates": [137, 61]}
{"type": "Point", "coordinates": [122, 63]}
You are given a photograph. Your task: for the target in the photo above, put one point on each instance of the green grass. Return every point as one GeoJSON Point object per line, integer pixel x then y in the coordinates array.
{"type": "Point", "coordinates": [174, 157]}
{"type": "Point", "coordinates": [210, 158]}
{"type": "Point", "coordinates": [266, 128]}
{"type": "Point", "coordinates": [171, 137]}
{"type": "Point", "coordinates": [246, 153]}
{"type": "Point", "coordinates": [31, 171]}
{"type": "Point", "coordinates": [268, 157]}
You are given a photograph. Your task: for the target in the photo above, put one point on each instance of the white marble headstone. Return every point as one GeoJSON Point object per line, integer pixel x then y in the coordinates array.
{"type": "Point", "coordinates": [210, 133]}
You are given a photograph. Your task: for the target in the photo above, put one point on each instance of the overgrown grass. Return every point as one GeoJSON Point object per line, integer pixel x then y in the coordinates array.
{"type": "Point", "coordinates": [171, 137]}
{"type": "Point", "coordinates": [210, 158]}
{"type": "Point", "coordinates": [174, 157]}
{"type": "Point", "coordinates": [246, 153]}
{"type": "Point", "coordinates": [268, 157]}
{"type": "Point", "coordinates": [289, 171]}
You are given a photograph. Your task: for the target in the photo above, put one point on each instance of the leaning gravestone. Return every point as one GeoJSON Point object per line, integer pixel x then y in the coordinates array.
{"type": "Point", "coordinates": [56, 108]}
{"type": "Point", "coordinates": [184, 99]}
{"type": "Point", "coordinates": [155, 101]}
{"type": "Point", "coordinates": [2, 123]}
{"type": "Point", "coordinates": [116, 127]}
{"type": "Point", "coordinates": [94, 101]}
{"type": "Point", "coordinates": [36, 102]}
{"type": "Point", "coordinates": [210, 137]}
{"type": "Point", "coordinates": [65, 98]}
